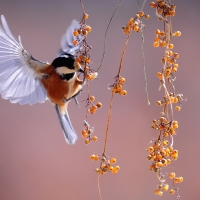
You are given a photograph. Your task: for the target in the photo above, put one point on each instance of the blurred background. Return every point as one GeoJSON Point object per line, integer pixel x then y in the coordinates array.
{"type": "Point", "coordinates": [35, 161]}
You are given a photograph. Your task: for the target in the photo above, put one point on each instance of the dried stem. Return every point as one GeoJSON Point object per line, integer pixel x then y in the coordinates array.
{"type": "Point", "coordinates": [104, 50]}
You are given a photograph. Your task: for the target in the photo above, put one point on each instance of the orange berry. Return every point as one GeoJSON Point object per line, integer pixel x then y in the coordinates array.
{"type": "Point", "coordinates": [94, 138]}
{"type": "Point", "coordinates": [122, 80]}
{"type": "Point", "coordinates": [155, 44]}
{"type": "Point", "coordinates": [170, 46]}
{"type": "Point", "coordinates": [113, 160]}
{"type": "Point", "coordinates": [150, 149]}
{"type": "Point", "coordinates": [157, 31]}
{"type": "Point", "coordinates": [75, 33]}
{"type": "Point", "coordinates": [172, 191]}
{"type": "Point", "coordinates": [176, 55]}
{"type": "Point", "coordinates": [99, 104]}
{"type": "Point", "coordinates": [156, 39]}
{"type": "Point", "coordinates": [147, 17]}
{"type": "Point", "coordinates": [123, 92]}
{"type": "Point", "coordinates": [84, 32]}
{"type": "Point", "coordinates": [92, 98]}
{"type": "Point", "coordinates": [172, 175]}
{"type": "Point", "coordinates": [141, 13]}
{"type": "Point", "coordinates": [159, 103]}
{"type": "Point", "coordinates": [84, 133]}
{"type": "Point", "coordinates": [153, 5]}
{"type": "Point", "coordinates": [158, 192]}
{"type": "Point", "coordinates": [88, 28]}
{"type": "Point", "coordinates": [97, 170]}
{"type": "Point", "coordinates": [92, 156]}
{"type": "Point", "coordinates": [165, 188]}
{"type": "Point", "coordinates": [177, 33]}
{"type": "Point", "coordinates": [87, 141]}
{"type": "Point", "coordinates": [85, 16]}
{"type": "Point", "coordinates": [174, 69]}
{"type": "Point", "coordinates": [75, 42]}
{"type": "Point", "coordinates": [162, 34]}
{"type": "Point", "coordinates": [176, 66]}
{"type": "Point", "coordinates": [178, 108]}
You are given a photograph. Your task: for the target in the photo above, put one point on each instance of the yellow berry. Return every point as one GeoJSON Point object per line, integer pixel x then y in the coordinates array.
{"type": "Point", "coordinates": [172, 191]}
{"type": "Point", "coordinates": [159, 103]}
{"type": "Point", "coordinates": [113, 160]}
{"type": "Point", "coordinates": [92, 157]}
{"type": "Point", "coordinates": [84, 133]}
{"type": "Point", "coordinates": [175, 126]}
{"type": "Point", "coordinates": [92, 98]}
{"type": "Point", "coordinates": [174, 69]}
{"type": "Point", "coordinates": [177, 33]}
{"type": "Point", "coordinates": [156, 44]}
{"type": "Point", "coordinates": [86, 15]}
{"type": "Point", "coordinates": [176, 66]}
{"type": "Point", "coordinates": [75, 33]}
{"type": "Point", "coordinates": [87, 141]}
{"type": "Point", "coordinates": [172, 175]}
{"type": "Point", "coordinates": [147, 17]}
{"type": "Point", "coordinates": [88, 28]}
{"type": "Point", "coordinates": [158, 192]}
{"type": "Point", "coordinates": [97, 170]}
{"type": "Point", "coordinates": [168, 161]}
{"type": "Point", "coordinates": [75, 42]}
{"type": "Point", "coordinates": [170, 46]}
{"type": "Point", "coordinates": [99, 104]}
{"type": "Point", "coordinates": [162, 34]}
{"type": "Point", "coordinates": [94, 138]}
{"type": "Point", "coordinates": [165, 143]}
{"type": "Point", "coordinates": [123, 92]}
{"type": "Point", "coordinates": [165, 188]}
{"type": "Point", "coordinates": [157, 31]}
{"type": "Point", "coordinates": [122, 80]}
{"type": "Point", "coordinates": [176, 55]}
{"type": "Point", "coordinates": [178, 108]}
{"type": "Point", "coordinates": [180, 179]}
{"type": "Point", "coordinates": [159, 164]}
{"type": "Point", "coordinates": [153, 5]}
{"type": "Point", "coordinates": [150, 149]}
{"type": "Point", "coordinates": [84, 32]}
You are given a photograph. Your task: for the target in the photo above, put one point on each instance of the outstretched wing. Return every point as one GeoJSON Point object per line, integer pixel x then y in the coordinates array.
{"type": "Point", "coordinates": [67, 45]}
{"type": "Point", "coordinates": [19, 77]}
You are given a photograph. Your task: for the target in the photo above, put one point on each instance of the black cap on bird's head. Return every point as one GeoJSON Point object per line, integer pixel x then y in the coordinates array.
{"type": "Point", "coordinates": [66, 64]}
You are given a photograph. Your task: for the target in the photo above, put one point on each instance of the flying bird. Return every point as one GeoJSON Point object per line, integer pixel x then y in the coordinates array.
{"type": "Point", "coordinates": [26, 80]}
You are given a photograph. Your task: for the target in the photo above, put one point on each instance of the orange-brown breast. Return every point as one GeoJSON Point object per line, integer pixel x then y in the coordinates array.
{"type": "Point", "coordinates": [58, 89]}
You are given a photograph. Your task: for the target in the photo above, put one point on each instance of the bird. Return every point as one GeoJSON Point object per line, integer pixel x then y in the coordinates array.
{"type": "Point", "coordinates": [26, 80]}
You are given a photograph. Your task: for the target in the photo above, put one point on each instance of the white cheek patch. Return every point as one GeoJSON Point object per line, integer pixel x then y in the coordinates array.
{"type": "Point", "coordinates": [64, 70]}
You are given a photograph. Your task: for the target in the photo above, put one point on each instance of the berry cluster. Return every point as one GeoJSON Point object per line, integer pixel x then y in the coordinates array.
{"type": "Point", "coordinates": [161, 152]}
{"type": "Point", "coordinates": [87, 133]}
{"type": "Point", "coordinates": [171, 98]}
{"type": "Point", "coordinates": [106, 164]}
{"type": "Point", "coordinates": [93, 107]}
{"type": "Point", "coordinates": [116, 88]}
{"type": "Point", "coordinates": [165, 127]}
{"type": "Point", "coordinates": [135, 24]}
{"type": "Point", "coordinates": [82, 55]}
{"type": "Point", "coordinates": [163, 9]}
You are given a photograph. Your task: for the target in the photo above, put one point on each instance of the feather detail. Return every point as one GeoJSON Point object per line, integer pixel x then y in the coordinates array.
{"type": "Point", "coordinates": [68, 131]}
{"type": "Point", "coordinates": [19, 77]}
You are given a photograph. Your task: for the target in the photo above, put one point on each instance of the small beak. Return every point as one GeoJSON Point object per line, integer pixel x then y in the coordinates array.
{"type": "Point", "coordinates": [81, 70]}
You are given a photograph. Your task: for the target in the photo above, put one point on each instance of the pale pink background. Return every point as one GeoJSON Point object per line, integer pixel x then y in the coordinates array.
{"type": "Point", "coordinates": [35, 161]}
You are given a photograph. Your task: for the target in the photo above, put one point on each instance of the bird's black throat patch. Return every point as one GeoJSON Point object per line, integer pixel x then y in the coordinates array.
{"type": "Point", "coordinates": [67, 76]}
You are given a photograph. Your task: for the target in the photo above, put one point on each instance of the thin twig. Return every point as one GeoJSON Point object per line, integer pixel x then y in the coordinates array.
{"type": "Point", "coordinates": [104, 50]}
{"type": "Point", "coordinates": [82, 6]}
{"type": "Point", "coordinates": [98, 182]}
{"type": "Point", "coordinates": [108, 123]}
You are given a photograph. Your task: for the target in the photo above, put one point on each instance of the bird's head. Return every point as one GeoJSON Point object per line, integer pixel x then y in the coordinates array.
{"type": "Point", "coordinates": [66, 64]}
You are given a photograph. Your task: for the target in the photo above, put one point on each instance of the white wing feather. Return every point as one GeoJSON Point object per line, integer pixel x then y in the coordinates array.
{"type": "Point", "coordinates": [67, 45]}
{"type": "Point", "coordinates": [18, 80]}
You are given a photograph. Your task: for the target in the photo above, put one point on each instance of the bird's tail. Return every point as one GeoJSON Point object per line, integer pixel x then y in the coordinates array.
{"type": "Point", "coordinates": [68, 130]}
